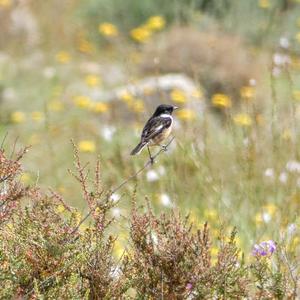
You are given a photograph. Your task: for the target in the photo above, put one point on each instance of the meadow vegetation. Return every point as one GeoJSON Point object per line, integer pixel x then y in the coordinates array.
{"type": "Point", "coordinates": [215, 217]}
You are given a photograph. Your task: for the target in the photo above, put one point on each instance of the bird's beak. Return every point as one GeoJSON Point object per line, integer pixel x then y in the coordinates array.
{"type": "Point", "coordinates": [175, 107]}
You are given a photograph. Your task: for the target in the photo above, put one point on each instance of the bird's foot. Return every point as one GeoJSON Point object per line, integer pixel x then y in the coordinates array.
{"type": "Point", "coordinates": [164, 147]}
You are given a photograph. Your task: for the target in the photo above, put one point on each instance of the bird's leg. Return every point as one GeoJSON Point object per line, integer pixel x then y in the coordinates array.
{"type": "Point", "coordinates": [165, 147]}
{"type": "Point", "coordinates": [150, 156]}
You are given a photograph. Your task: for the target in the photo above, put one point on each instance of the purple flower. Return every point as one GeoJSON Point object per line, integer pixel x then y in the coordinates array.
{"type": "Point", "coordinates": [189, 286]}
{"type": "Point", "coordinates": [266, 248]}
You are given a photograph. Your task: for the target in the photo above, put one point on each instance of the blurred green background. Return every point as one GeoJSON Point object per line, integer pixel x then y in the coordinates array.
{"type": "Point", "coordinates": [77, 70]}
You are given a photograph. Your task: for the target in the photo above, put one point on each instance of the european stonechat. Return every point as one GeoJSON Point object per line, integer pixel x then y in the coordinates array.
{"type": "Point", "coordinates": [157, 128]}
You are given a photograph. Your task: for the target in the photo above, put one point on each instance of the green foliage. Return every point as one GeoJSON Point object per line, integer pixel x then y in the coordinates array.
{"type": "Point", "coordinates": [131, 13]}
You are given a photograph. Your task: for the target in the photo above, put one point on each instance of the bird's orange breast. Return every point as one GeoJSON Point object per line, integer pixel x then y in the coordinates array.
{"type": "Point", "coordinates": [161, 137]}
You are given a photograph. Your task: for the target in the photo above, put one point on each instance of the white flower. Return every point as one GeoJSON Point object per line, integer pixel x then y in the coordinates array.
{"type": "Point", "coordinates": [293, 166]}
{"type": "Point", "coordinates": [283, 177]}
{"type": "Point", "coordinates": [107, 132]}
{"type": "Point", "coordinates": [116, 212]}
{"type": "Point", "coordinates": [280, 59]}
{"type": "Point", "coordinates": [161, 170]}
{"type": "Point", "coordinates": [166, 200]}
{"type": "Point", "coordinates": [284, 42]}
{"type": "Point", "coordinates": [266, 217]}
{"type": "Point", "coordinates": [115, 197]}
{"type": "Point", "coordinates": [291, 229]}
{"type": "Point", "coordinates": [246, 142]}
{"type": "Point", "coordinates": [9, 94]}
{"type": "Point", "coordinates": [276, 71]}
{"type": "Point", "coordinates": [269, 172]}
{"type": "Point", "coordinates": [152, 176]}
{"type": "Point", "coordinates": [154, 238]}
{"type": "Point", "coordinates": [49, 72]}
{"type": "Point", "coordinates": [277, 59]}
{"type": "Point", "coordinates": [116, 272]}
{"type": "Point", "coordinates": [252, 82]}
{"type": "Point", "coordinates": [4, 189]}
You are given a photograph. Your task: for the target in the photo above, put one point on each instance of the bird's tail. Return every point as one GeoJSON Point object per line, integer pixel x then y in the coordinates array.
{"type": "Point", "coordinates": [138, 148]}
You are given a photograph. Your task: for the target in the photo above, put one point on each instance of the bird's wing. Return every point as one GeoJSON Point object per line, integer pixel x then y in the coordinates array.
{"type": "Point", "coordinates": [154, 127]}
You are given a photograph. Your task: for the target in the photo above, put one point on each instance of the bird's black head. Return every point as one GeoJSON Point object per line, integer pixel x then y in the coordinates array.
{"type": "Point", "coordinates": [164, 109]}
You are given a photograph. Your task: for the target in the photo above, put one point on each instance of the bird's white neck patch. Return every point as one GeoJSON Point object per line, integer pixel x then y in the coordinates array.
{"type": "Point", "coordinates": [166, 116]}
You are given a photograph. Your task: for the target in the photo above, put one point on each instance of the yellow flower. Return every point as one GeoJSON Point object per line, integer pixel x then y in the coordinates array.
{"type": "Point", "coordinates": [140, 34]}
{"type": "Point", "coordinates": [186, 114]}
{"type": "Point", "coordinates": [87, 146]}
{"type": "Point", "coordinates": [210, 215]}
{"type": "Point", "coordinates": [18, 117]}
{"type": "Point", "coordinates": [221, 100]}
{"type": "Point", "coordinates": [85, 46]}
{"type": "Point", "coordinates": [247, 92]}
{"type": "Point", "coordinates": [60, 208]}
{"type": "Point", "coordinates": [63, 57]}
{"type": "Point", "coordinates": [10, 226]}
{"type": "Point", "coordinates": [178, 96]}
{"type": "Point", "coordinates": [25, 178]}
{"type": "Point", "coordinates": [297, 37]}
{"type": "Point", "coordinates": [215, 233]}
{"type": "Point", "coordinates": [108, 29]}
{"type": "Point", "coordinates": [197, 94]}
{"type": "Point", "coordinates": [37, 116]}
{"type": "Point", "coordinates": [242, 120]}
{"type": "Point", "coordinates": [286, 134]}
{"type": "Point", "coordinates": [92, 80]}
{"type": "Point", "coordinates": [295, 61]}
{"type": "Point", "coordinates": [97, 211]}
{"type": "Point", "coordinates": [5, 3]}
{"type": "Point", "coordinates": [258, 219]}
{"type": "Point", "coordinates": [77, 216]}
{"type": "Point", "coordinates": [238, 241]}
{"type": "Point", "coordinates": [270, 208]}
{"type": "Point", "coordinates": [118, 249]}
{"type": "Point", "coordinates": [156, 23]}
{"type": "Point", "coordinates": [55, 105]}
{"type": "Point", "coordinates": [83, 101]}
{"type": "Point", "coordinates": [268, 211]}
{"type": "Point", "coordinates": [99, 107]}
{"type": "Point", "coordinates": [295, 243]}
{"type": "Point", "coordinates": [264, 3]}
{"type": "Point", "coordinates": [138, 106]}
{"type": "Point", "coordinates": [127, 97]}
{"type": "Point", "coordinates": [214, 251]}
{"type": "Point", "coordinates": [296, 95]}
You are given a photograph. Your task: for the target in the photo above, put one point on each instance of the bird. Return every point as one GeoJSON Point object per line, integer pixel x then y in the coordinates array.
{"type": "Point", "coordinates": [157, 129]}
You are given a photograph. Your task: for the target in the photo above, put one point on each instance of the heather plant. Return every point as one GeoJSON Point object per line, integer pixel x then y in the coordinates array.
{"type": "Point", "coordinates": [170, 260]}
{"type": "Point", "coordinates": [44, 253]}
{"type": "Point", "coordinates": [11, 190]}
{"type": "Point", "coordinates": [46, 250]}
